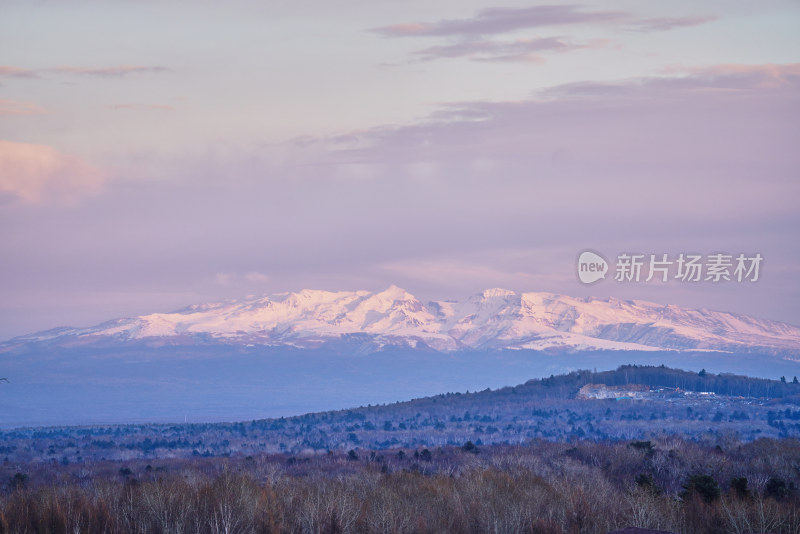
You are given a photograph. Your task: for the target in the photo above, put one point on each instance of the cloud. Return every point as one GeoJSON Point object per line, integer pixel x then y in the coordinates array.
{"type": "Point", "coordinates": [495, 268]}
{"type": "Point", "coordinates": [697, 159]}
{"type": "Point", "coordinates": [118, 71]}
{"type": "Point", "coordinates": [19, 107]}
{"type": "Point", "coordinates": [527, 50]}
{"type": "Point", "coordinates": [256, 277]}
{"type": "Point", "coordinates": [660, 24]}
{"type": "Point", "coordinates": [38, 173]}
{"type": "Point", "coordinates": [15, 72]}
{"type": "Point", "coordinates": [470, 33]}
{"type": "Point", "coordinates": [594, 144]}
{"type": "Point", "coordinates": [501, 20]}
{"type": "Point", "coordinates": [738, 76]}
{"type": "Point", "coordinates": [223, 279]}
{"type": "Point", "coordinates": [729, 79]}
{"type": "Point", "coordinates": [681, 86]}
{"type": "Point", "coordinates": [228, 279]}
{"type": "Point", "coordinates": [142, 107]}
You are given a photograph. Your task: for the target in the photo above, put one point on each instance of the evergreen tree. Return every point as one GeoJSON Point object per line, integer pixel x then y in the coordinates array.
{"type": "Point", "coordinates": [703, 485]}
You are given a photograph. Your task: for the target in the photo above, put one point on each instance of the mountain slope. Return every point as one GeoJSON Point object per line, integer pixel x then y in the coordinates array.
{"type": "Point", "coordinates": [495, 319]}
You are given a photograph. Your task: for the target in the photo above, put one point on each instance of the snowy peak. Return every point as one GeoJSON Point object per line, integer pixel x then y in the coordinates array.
{"type": "Point", "coordinates": [493, 319]}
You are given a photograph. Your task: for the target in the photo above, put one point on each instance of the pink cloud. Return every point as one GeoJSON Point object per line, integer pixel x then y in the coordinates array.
{"type": "Point", "coordinates": [767, 76]}
{"type": "Point", "coordinates": [15, 72]}
{"type": "Point", "coordinates": [716, 78]}
{"type": "Point", "coordinates": [495, 268]}
{"type": "Point", "coordinates": [110, 72]}
{"type": "Point", "coordinates": [142, 107]}
{"type": "Point", "coordinates": [518, 50]}
{"type": "Point", "coordinates": [736, 119]}
{"type": "Point", "coordinates": [39, 173]}
{"type": "Point", "coordinates": [256, 277]}
{"type": "Point", "coordinates": [501, 20]}
{"type": "Point", "coordinates": [19, 107]}
{"type": "Point", "coordinates": [660, 24]}
{"type": "Point", "coordinates": [496, 21]}
{"type": "Point", "coordinates": [117, 71]}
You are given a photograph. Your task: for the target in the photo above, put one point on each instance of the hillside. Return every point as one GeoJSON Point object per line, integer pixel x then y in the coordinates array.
{"type": "Point", "coordinates": [549, 409]}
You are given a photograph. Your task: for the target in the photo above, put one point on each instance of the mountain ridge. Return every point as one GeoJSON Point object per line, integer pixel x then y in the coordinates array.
{"type": "Point", "coordinates": [494, 319]}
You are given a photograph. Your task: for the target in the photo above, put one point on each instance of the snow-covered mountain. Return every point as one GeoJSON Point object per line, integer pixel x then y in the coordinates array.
{"type": "Point", "coordinates": [294, 353]}
{"type": "Point", "coordinates": [493, 319]}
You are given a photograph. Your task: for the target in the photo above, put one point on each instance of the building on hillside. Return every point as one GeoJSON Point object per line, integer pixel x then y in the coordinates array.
{"type": "Point", "coordinates": [602, 391]}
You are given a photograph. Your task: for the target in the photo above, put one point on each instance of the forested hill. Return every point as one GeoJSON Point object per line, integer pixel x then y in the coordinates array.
{"type": "Point", "coordinates": [566, 386]}
{"type": "Point", "coordinates": [632, 402]}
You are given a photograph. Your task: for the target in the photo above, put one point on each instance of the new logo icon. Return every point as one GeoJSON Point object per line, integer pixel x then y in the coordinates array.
{"type": "Point", "coordinates": [591, 267]}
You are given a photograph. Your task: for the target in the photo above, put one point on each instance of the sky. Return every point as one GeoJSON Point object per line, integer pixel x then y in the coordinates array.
{"type": "Point", "coordinates": [160, 154]}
